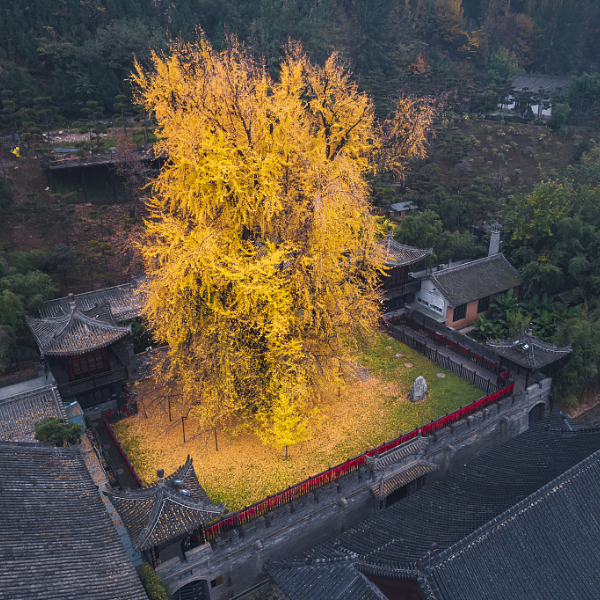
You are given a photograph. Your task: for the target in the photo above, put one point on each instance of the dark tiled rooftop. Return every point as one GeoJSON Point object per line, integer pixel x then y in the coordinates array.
{"type": "Point", "coordinates": [78, 331]}
{"type": "Point", "coordinates": [126, 301]}
{"type": "Point", "coordinates": [159, 514]}
{"type": "Point", "coordinates": [528, 351]}
{"type": "Point", "coordinates": [58, 541]}
{"type": "Point", "coordinates": [544, 548]}
{"type": "Point", "coordinates": [476, 279]}
{"type": "Point", "coordinates": [447, 510]}
{"type": "Point", "coordinates": [18, 414]}
{"type": "Point", "coordinates": [399, 255]}
{"type": "Point", "coordinates": [329, 580]}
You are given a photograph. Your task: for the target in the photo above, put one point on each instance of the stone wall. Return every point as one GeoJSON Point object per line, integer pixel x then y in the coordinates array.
{"type": "Point", "coordinates": [237, 556]}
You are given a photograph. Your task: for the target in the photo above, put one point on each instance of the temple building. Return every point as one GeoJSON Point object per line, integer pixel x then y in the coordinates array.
{"type": "Point", "coordinates": [457, 295]}
{"type": "Point", "coordinates": [399, 287]}
{"type": "Point", "coordinates": [77, 346]}
{"type": "Point", "coordinates": [525, 352]}
{"type": "Point", "coordinates": [167, 518]}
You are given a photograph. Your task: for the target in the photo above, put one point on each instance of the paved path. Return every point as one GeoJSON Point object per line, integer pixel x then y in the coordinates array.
{"type": "Point", "coordinates": [426, 340]}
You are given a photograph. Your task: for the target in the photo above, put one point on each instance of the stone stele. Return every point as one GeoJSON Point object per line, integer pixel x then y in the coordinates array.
{"type": "Point", "coordinates": [418, 391]}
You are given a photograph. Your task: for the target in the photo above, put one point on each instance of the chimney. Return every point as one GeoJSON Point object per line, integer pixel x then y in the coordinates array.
{"type": "Point", "coordinates": [495, 239]}
{"type": "Point", "coordinates": [161, 476]}
{"type": "Point", "coordinates": [72, 304]}
{"type": "Point", "coordinates": [389, 229]}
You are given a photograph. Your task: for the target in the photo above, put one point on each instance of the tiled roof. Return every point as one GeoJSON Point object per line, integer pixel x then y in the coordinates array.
{"type": "Point", "coordinates": [527, 351]}
{"type": "Point", "coordinates": [126, 301]}
{"type": "Point", "coordinates": [419, 444]}
{"type": "Point", "coordinates": [18, 414]}
{"type": "Point", "coordinates": [476, 279]}
{"type": "Point", "coordinates": [77, 331]}
{"type": "Point", "coordinates": [535, 82]}
{"type": "Point", "coordinates": [399, 255]}
{"type": "Point", "coordinates": [58, 541]}
{"type": "Point", "coordinates": [159, 514]}
{"type": "Point", "coordinates": [411, 473]}
{"type": "Point", "coordinates": [544, 548]}
{"type": "Point", "coordinates": [447, 510]}
{"type": "Point", "coordinates": [336, 579]}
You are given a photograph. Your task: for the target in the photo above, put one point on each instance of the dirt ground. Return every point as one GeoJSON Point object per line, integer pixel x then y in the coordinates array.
{"type": "Point", "coordinates": [103, 237]}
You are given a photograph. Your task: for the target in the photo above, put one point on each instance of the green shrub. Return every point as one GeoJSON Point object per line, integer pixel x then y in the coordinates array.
{"type": "Point", "coordinates": [517, 172]}
{"type": "Point", "coordinates": [152, 583]}
{"type": "Point", "coordinates": [582, 147]}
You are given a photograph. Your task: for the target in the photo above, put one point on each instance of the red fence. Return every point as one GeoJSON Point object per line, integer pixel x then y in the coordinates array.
{"type": "Point", "coordinates": [122, 452]}
{"type": "Point", "coordinates": [440, 338]}
{"type": "Point", "coordinates": [260, 508]}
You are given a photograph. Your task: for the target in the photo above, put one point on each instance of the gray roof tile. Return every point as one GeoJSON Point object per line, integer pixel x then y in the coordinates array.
{"type": "Point", "coordinates": [18, 414]}
{"type": "Point", "coordinates": [543, 548]}
{"type": "Point", "coordinates": [158, 514]}
{"type": "Point", "coordinates": [476, 279]}
{"type": "Point", "coordinates": [126, 301]}
{"type": "Point", "coordinates": [399, 255]}
{"type": "Point", "coordinates": [58, 541]}
{"type": "Point", "coordinates": [77, 331]}
{"type": "Point", "coordinates": [526, 350]}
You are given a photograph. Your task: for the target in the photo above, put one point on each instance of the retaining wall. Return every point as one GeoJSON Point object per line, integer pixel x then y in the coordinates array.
{"type": "Point", "coordinates": [238, 555]}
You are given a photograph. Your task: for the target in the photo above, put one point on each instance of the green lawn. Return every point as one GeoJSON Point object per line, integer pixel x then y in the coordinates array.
{"type": "Point", "coordinates": [363, 416]}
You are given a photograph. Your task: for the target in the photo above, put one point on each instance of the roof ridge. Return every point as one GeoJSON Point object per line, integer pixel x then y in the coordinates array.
{"type": "Point", "coordinates": [520, 506]}
{"type": "Point", "coordinates": [454, 268]}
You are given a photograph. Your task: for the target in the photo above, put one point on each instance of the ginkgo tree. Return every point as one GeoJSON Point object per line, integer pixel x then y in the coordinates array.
{"type": "Point", "coordinates": [260, 249]}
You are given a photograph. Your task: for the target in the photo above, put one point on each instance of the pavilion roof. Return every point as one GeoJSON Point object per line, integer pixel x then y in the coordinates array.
{"type": "Point", "coordinates": [476, 279]}
{"type": "Point", "coordinates": [158, 514]}
{"type": "Point", "coordinates": [19, 413]}
{"type": "Point", "coordinates": [58, 540]}
{"type": "Point", "coordinates": [77, 331]}
{"type": "Point", "coordinates": [126, 301]}
{"type": "Point", "coordinates": [525, 350]}
{"type": "Point", "coordinates": [399, 255]}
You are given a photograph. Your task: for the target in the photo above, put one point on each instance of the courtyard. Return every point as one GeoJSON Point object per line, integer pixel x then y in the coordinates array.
{"type": "Point", "coordinates": [370, 410]}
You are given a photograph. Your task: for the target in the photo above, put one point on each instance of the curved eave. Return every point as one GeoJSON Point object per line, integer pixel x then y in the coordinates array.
{"type": "Point", "coordinates": [390, 263]}
{"type": "Point", "coordinates": [87, 348]}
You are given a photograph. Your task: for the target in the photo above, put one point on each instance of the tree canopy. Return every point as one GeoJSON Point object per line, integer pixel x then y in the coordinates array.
{"type": "Point", "coordinates": [260, 248]}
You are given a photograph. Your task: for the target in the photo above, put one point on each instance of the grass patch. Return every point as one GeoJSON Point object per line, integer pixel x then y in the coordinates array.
{"type": "Point", "coordinates": [356, 418]}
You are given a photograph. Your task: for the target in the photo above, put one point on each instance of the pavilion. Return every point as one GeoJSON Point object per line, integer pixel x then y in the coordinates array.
{"type": "Point", "coordinates": [77, 347]}
{"type": "Point", "coordinates": [525, 351]}
{"type": "Point", "coordinates": [399, 287]}
{"type": "Point", "coordinates": [159, 516]}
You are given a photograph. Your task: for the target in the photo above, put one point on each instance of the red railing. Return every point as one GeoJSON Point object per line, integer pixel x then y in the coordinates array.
{"type": "Point", "coordinates": [122, 452]}
{"type": "Point", "coordinates": [308, 485]}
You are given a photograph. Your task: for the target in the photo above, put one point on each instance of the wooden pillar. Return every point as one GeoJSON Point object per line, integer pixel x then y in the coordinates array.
{"type": "Point", "coordinates": [527, 378]}
{"type": "Point", "coordinates": [83, 184]}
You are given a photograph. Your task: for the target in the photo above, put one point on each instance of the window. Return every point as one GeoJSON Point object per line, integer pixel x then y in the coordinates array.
{"type": "Point", "coordinates": [460, 312]}
{"type": "Point", "coordinates": [217, 581]}
{"type": "Point", "coordinates": [87, 365]}
{"type": "Point", "coordinates": [396, 278]}
{"type": "Point", "coordinates": [483, 304]}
